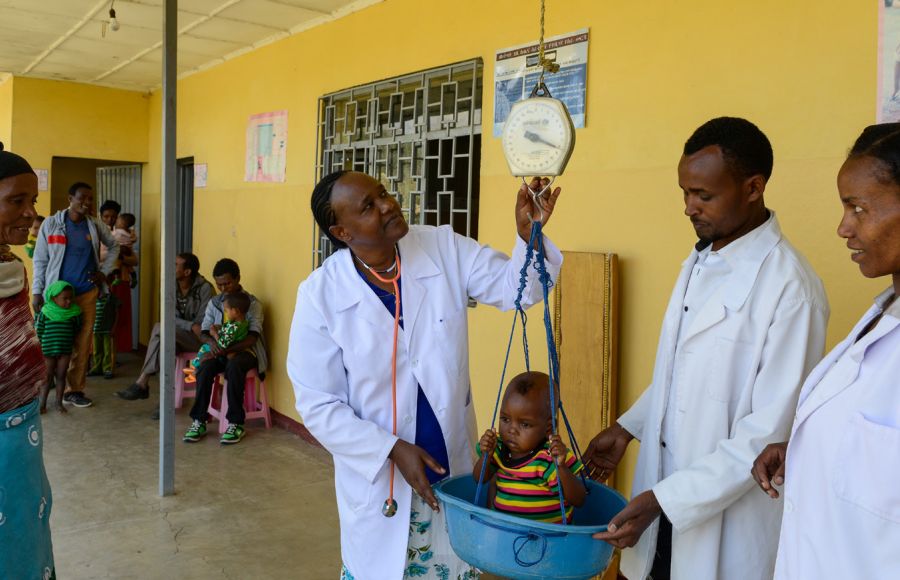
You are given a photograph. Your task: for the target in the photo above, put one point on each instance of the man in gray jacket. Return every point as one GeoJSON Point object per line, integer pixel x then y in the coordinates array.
{"type": "Point", "coordinates": [192, 294]}
{"type": "Point", "coordinates": [68, 248]}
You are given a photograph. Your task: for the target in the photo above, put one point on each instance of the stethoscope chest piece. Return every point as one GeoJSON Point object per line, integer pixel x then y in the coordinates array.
{"type": "Point", "coordinates": [389, 508]}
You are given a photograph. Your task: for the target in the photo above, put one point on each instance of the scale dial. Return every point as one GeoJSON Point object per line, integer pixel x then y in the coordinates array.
{"type": "Point", "coordinates": [538, 137]}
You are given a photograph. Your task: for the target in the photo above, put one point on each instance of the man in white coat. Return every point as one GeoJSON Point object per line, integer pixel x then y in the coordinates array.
{"type": "Point", "coordinates": [745, 324]}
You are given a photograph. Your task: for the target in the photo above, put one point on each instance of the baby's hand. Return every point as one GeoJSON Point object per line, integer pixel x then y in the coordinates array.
{"type": "Point", "coordinates": [488, 442]}
{"type": "Point", "coordinates": [558, 449]}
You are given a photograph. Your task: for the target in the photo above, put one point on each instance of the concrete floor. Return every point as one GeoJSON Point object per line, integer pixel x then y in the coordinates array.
{"type": "Point", "coordinates": [264, 508]}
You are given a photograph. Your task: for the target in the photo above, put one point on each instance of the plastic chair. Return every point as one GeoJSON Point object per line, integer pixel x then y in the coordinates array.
{"type": "Point", "coordinates": [256, 400]}
{"type": "Point", "coordinates": [183, 390]}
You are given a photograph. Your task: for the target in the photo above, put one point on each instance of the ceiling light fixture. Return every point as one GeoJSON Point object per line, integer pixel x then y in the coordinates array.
{"type": "Point", "coordinates": [112, 23]}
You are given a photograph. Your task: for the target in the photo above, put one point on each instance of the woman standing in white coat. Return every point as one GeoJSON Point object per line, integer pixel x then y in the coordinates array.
{"type": "Point", "coordinates": [842, 473]}
{"type": "Point", "coordinates": [340, 356]}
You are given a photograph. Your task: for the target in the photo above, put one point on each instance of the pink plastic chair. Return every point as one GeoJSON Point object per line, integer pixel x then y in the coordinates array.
{"type": "Point", "coordinates": [183, 390]}
{"type": "Point", "coordinates": [256, 400]}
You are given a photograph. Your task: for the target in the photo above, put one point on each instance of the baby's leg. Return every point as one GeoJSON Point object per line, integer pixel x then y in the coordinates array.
{"type": "Point", "coordinates": [50, 363]}
{"type": "Point", "coordinates": [62, 365]}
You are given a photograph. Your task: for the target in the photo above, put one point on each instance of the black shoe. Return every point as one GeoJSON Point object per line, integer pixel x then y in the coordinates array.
{"type": "Point", "coordinates": [134, 392]}
{"type": "Point", "coordinates": [94, 373]}
{"type": "Point", "coordinates": [78, 399]}
{"type": "Point", "coordinates": [108, 375]}
{"type": "Point", "coordinates": [155, 414]}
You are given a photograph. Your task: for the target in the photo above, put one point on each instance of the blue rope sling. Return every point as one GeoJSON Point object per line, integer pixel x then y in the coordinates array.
{"type": "Point", "coordinates": [535, 252]}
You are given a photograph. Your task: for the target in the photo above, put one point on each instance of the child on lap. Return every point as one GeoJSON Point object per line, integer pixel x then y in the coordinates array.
{"type": "Point", "coordinates": [523, 463]}
{"type": "Point", "coordinates": [235, 328]}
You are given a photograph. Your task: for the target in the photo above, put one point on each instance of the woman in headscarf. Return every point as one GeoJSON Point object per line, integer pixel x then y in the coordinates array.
{"type": "Point", "coordinates": [26, 552]}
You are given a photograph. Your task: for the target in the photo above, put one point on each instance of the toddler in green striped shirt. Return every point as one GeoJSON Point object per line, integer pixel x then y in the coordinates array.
{"type": "Point", "coordinates": [57, 324]}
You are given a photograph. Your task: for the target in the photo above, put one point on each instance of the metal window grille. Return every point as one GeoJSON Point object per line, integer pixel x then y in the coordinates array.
{"type": "Point", "coordinates": [419, 134]}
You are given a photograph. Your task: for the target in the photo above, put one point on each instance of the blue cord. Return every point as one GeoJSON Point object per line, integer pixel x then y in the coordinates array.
{"type": "Point", "coordinates": [535, 252]}
{"type": "Point", "coordinates": [523, 281]}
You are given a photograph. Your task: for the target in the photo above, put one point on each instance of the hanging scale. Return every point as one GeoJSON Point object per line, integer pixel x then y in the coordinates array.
{"type": "Point", "coordinates": [539, 136]}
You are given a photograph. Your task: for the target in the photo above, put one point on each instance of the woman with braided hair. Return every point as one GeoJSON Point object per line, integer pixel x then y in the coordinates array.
{"type": "Point", "coordinates": [381, 405]}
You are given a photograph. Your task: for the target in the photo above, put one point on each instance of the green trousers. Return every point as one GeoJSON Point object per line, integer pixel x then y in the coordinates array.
{"type": "Point", "coordinates": [104, 357]}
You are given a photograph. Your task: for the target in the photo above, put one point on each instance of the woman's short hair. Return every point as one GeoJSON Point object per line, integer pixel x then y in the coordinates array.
{"type": "Point", "coordinates": [321, 206]}
{"type": "Point", "coordinates": [109, 204]}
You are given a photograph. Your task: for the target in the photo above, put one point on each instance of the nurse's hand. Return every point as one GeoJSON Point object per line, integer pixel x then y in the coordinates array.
{"type": "Point", "coordinates": [527, 211]}
{"type": "Point", "coordinates": [605, 451]}
{"type": "Point", "coordinates": [768, 469]}
{"type": "Point", "coordinates": [411, 461]}
{"type": "Point", "coordinates": [627, 526]}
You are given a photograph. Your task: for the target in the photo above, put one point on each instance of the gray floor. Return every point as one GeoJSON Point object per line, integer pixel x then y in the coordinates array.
{"type": "Point", "coordinates": [262, 509]}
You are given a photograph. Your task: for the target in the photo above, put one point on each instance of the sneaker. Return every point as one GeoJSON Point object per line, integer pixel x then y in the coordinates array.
{"type": "Point", "coordinates": [134, 392]}
{"type": "Point", "coordinates": [95, 372]}
{"type": "Point", "coordinates": [195, 432]}
{"type": "Point", "coordinates": [232, 435]}
{"type": "Point", "coordinates": [108, 375]}
{"type": "Point", "coordinates": [78, 399]}
{"type": "Point", "coordinates": [155, 414]}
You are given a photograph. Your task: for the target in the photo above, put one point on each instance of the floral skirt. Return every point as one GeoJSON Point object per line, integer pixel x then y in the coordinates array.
{"type": "Point", "coordinates": [26, 552]}
{"type": "Point", "coordinates": [428, 554]}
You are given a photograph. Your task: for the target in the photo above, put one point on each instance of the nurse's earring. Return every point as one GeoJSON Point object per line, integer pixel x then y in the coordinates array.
{"type": "Point", "coordinates": [389, 508]}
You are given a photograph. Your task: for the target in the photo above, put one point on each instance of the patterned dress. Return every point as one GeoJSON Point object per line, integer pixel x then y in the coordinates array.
{"type": "Point", "coordinates": [26, 550]}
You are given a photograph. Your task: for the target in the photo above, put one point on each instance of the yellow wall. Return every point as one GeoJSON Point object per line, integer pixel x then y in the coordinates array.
{"type": "Point", "coordinates": [804, 72]}
{"type": "Point", "coordinates": [6, 104]}
{"type": "Point", "coordinates": [62, 119]}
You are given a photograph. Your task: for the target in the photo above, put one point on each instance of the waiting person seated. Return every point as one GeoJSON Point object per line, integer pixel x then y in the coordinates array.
{"type": "Point", "coordinates": [235, 329]}
{"type": "Point", "coordinates": [522, 471]}
{"type": "Point", "coordinates": [235, 360]}
{"type": "Point", "coordinates": [192, 295]}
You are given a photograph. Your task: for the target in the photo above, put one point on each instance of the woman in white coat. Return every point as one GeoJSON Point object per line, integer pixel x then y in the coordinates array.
{"type": "Point", "coordinates": [842, 472]}
{"type": "Point", "coordinates": [340, 361]}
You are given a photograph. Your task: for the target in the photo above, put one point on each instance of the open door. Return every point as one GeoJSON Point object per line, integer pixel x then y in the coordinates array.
{"type": "Point", "coordinates": [122, 183]}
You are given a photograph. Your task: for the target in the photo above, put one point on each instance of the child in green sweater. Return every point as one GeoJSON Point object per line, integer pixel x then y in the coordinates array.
{"type": "Point", "coordinates": [235, 328]}
{"type": "Point", "coordinates": [57, 325]}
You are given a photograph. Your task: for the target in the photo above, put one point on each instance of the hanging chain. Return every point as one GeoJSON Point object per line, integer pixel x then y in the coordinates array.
{"type": "Point", "coordinates": [546, 65]}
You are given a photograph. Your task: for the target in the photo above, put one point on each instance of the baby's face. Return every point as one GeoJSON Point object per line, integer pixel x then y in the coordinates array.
{"type": "Point", "coordinates": [523, 421]}
{"type": "Point", "coordinates": [121, 224]}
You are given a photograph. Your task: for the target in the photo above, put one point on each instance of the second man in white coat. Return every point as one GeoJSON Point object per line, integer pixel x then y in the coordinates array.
{"type": "Point", "coordinates": [744, 326]}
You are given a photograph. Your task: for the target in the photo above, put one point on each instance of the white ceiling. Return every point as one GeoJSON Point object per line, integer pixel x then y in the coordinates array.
{"type": "Point", "coordinates": [61, 39]}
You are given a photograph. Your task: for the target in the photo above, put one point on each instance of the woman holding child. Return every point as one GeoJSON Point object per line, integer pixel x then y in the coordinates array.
{"type": "Point", "coordinates": [25, 498]}
{"type": "Point", "coordinates": [340, 361]}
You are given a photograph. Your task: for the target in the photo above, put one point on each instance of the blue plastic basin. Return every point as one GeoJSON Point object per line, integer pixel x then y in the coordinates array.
{"type": "Point", "coordinates": [518, 548]}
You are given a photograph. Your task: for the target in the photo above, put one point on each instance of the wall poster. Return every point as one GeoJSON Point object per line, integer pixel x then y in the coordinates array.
{"type": "Point", "coordinates": [516, 71]}
{"type": "Point", "coordinates": [266, 147]}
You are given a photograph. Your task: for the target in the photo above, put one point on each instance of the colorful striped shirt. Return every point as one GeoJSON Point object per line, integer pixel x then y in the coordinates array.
{"type": "Point", "coordinates": [527, 487]}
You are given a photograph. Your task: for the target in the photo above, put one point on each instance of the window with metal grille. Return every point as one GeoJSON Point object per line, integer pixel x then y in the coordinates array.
{"type": "Point", "coordinates": [419, 134]}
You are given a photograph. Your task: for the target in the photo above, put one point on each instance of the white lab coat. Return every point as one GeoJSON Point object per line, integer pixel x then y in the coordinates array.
{"type": "Point", "coordinates": [339, 360]}
{"type": "Point", "coordinates": [743, 361]}
{"type": "Point", "coordinates": [842, 481]}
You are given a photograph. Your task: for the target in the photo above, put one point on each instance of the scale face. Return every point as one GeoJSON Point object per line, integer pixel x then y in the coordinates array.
{"type": "Point", "coordinates": [538, 137]}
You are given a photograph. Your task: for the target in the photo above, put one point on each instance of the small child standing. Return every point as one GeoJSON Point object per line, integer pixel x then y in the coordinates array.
{"type": "Point", "coordinates": [235, 328]}
{"type": "Point", "coordinates": [103, 360]}
{"type": "Point", "coordinates": [33, 235]}
{"type": "Point", "coordinates": [522, 473]}
{"type": "Point", "coordinates": [57, 325]}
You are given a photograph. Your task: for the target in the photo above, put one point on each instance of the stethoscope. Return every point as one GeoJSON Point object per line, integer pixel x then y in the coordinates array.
{"type": "Point", "coordinates": [390, 504]}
